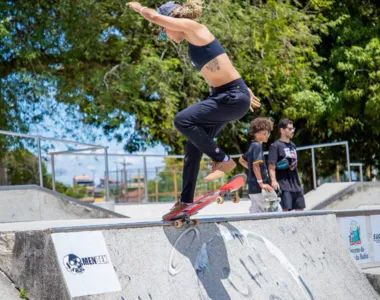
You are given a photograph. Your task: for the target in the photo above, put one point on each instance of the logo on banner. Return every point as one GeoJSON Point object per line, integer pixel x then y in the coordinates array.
{"type": "Point", "coordinates": [355, 234]}
{"type": "Point", "coordinates": [76, 265]}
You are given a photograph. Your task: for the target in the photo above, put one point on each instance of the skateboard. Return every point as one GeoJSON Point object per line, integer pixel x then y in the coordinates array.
{"type": "Point", "coordinates": [271, 201]}
{"type": "Point", "coordinates": [220, 195]}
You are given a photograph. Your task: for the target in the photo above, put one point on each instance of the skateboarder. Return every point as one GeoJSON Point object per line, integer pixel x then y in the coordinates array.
{"type": "Point", "coordinates": [283, 168]}
{"type": "Point", "coordinates": [230, 99]}
{"type": "Point", "coordinates": [254, 161]}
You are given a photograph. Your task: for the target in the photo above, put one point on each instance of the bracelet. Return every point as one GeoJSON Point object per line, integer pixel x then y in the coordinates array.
{"type": "Point", "coordinates": [142, 9]}
{"type": "Point", "coordinates": [259, 181]}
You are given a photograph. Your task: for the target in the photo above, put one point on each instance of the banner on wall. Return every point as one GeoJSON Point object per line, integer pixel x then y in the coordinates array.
{"type": "Point", "coordinates": [375, 224]}
{"type": "Point", "coordinates": [85, 263]}
{"type": "Point", "coordinates": [354, 232]}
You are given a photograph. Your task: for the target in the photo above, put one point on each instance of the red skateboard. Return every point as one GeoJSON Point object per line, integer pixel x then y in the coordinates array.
{"type": "Point", "coordinates": [220, 195]}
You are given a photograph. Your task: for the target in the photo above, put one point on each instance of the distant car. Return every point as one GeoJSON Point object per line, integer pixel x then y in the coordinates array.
{"type": "Point", "coordinates": [99, 196]}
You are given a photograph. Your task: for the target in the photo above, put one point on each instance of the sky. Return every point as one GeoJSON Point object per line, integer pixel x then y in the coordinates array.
{"type": "Point", "coordinates": [68, 166]}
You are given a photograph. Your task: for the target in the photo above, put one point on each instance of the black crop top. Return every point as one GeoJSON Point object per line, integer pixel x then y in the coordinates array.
{"type": "Point", "coordinates": [201, 55]}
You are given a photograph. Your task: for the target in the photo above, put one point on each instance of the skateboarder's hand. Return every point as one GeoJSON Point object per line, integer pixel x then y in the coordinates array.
{"type": "Point", "coordinates": [267, 187]}
{"type": "Point", "coordinates": [275, 185]}
{"type": "Point", "coordinates": [254, 100]}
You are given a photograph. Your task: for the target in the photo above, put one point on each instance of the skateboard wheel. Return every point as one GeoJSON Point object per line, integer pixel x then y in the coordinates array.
{"type": "Point", "coordinates": [196, 222]}
{"type": "Point", "coordinates": [220, 200]}
{"type": "Point", "coordinates": [236, 200]}
{"type": "Point", "coordinates": [178, 223]}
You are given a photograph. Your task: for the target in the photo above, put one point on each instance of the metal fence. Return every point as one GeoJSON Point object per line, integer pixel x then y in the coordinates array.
{"type": "Point", "coordinates": [39, 139]}
{"type": "Point", "coordinates": [163, 182]}
{"type": "Point", "coordinates": [159, 177]}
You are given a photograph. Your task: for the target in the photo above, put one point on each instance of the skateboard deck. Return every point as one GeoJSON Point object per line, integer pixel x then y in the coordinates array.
{"type": "Point", "coordinates": [271, 201]}
{"type": "Point", "coordinates": [220, 195]}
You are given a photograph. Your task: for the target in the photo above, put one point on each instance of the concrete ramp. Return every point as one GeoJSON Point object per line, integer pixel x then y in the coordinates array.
{"type": "Point", "coordinates": [272, 256]}
{"type": "Point", "coordinates": [7, 290]}
{"type": "Point", "coordinates": [360, 195]}
{"type": "Point", "coordinates": [33, 203]}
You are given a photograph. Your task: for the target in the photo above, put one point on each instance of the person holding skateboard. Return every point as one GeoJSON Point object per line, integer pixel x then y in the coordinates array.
{"type": "Point", "coordinates": [230, 99]}
{"type": "Point", "coordinates": [283, 168]}
{"type": "Point", "coordinates": [254, 161]}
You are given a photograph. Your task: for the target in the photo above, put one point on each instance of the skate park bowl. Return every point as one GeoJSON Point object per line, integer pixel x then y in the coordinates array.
{"type": "Point", "coordinates": [56, 247]}
{"type": "Point", "coordinates": [296, 255]}
{"type": "Point", "coordinates": [33, 203]}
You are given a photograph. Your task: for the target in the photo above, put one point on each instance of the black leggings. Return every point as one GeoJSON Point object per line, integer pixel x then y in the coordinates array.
{"type": "Point", "coordinates": [201, 123]}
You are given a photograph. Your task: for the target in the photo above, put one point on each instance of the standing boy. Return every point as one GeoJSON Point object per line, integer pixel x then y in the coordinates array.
{"type": "Point", "coordinates": [254, 161]}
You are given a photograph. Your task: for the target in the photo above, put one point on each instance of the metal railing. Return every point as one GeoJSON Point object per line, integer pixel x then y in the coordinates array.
{"type": "Point", "coordinates": [312, 148]}
{"type": "Point", "coordinates": [106, 155]}
{"type": "Point", "coordinates": [39, 138]}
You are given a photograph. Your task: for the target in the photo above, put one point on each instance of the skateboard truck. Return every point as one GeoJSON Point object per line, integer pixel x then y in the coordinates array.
{"type": "Point", "coordinates": [186, 220]}
{"type": "Point", "coordinates": [226, 195]}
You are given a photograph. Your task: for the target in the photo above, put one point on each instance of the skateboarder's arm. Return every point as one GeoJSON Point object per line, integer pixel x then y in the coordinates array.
{"type": "Point", "coordinates": [243, 162]}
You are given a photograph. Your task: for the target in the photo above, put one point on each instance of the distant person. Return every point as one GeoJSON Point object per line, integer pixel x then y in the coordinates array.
{"type": "Point", "coordinates": [283, 168]}
{"type": "Point", "coordinates": [254, 161]}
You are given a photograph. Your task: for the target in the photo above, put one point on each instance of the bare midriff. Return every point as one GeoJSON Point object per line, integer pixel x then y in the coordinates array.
{"type": "Point", "coordinates": [219, 71]}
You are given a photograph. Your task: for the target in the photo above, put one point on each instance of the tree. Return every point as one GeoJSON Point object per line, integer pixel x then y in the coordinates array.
{"type": "Point", "coordinates": [313, 61]}
{"type": "Point", "coordinates": [22, 168]}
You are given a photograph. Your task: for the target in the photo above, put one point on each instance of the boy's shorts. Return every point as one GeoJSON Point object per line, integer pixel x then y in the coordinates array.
{"type": "Point", "coordinates": [292, 200]}
{"type": "Point", "coordinates": [257, 203]}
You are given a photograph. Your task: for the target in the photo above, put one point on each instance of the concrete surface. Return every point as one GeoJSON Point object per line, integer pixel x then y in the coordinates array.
{"type": "Point", "coordinates": [285, 256]}
{"type": "Point", "coordinates": [373, 275]}
{"type": "Point", "coordinates": [109, 205]}
{"type": "Point", "coordinates": [157, 210]}
{"type": "Point", "coordinates": [315, 199]}
{"type": "Point", "coordinates": [33, 203]}
{"type": "Point", "coordinates": [7, 290]}
{"type": "Point", "coordinates": [363, 195]}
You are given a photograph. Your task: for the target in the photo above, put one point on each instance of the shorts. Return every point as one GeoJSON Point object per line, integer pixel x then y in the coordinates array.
{"type": "Point", "coordinates": [292, 200]}
{"type": "Point", "coordinates": [259, 205]}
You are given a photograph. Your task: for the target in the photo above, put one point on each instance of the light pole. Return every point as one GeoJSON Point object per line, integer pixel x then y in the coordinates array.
{"type": "Point", "coordinates": [124, 164]}
{"type": "Point", "coordinates": [117, 180]}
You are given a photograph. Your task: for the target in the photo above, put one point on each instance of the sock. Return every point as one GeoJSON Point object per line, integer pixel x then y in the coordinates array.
{"type": "Point", "coordinates": [226, 158]}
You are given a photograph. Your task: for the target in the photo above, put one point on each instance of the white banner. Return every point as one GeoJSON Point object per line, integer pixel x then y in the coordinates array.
{"type": "Point", "coordinates": [354, 232]}
{"type": "Point", "coordinates": [375, 223]}
{"type": "Point", "coordinates": [85, 263]}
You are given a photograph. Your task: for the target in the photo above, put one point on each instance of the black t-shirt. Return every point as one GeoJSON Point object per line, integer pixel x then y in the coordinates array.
{"type": "Point", "coordinates": [288, 179]}
{"type": "Point", "coordinates": [255, 155]}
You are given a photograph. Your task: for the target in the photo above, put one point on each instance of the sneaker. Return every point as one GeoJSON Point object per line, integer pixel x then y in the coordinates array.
{"type": "Point", "coordinates": [175, 210]}
{"type": "Point", "coordinates": [219, 169]}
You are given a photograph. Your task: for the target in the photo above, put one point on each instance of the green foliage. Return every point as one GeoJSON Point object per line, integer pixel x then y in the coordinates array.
{"type": "Point", "coordinates": [316, 62]}
{"type": "Point", "coordinates": [23, 294]}
{"type": "Point", "coordinates": [22, 168]}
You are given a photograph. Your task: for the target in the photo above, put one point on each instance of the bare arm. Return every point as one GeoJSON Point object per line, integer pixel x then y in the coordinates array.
{"type": "Point", "coordinates": [272, 174]}
{"type": "Point", "coordinates": [257, 171]}
{"type": "Point", "coordinates": [176, 24]}
{"type": "Point", "coordinates": [243, 162]}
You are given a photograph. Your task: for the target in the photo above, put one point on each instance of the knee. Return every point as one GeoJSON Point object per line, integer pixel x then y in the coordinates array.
{"type": "Point", "coordinates": [179, 121]}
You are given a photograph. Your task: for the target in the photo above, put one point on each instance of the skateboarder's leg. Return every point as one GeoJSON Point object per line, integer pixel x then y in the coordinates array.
{"type": "Point", "coordinates": [191, 165]}
{"type": "Point", "coordinates": [216, 111]}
